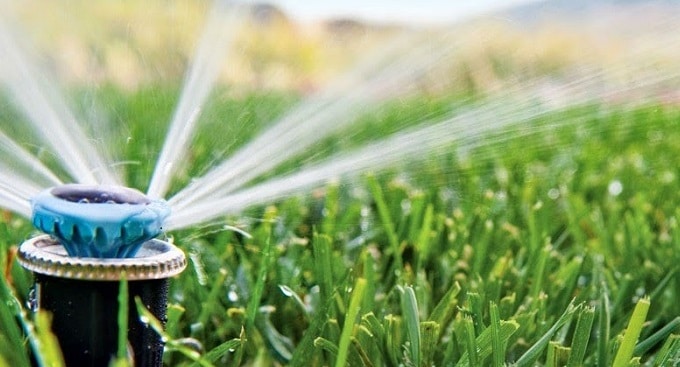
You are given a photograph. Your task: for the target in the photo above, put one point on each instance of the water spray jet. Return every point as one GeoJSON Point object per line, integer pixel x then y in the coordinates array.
{"type": "Point", "coordinates": [96, 235]}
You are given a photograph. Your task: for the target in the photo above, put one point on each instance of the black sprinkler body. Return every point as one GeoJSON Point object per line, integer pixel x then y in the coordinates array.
{"type": "Point", "coordinates": [95, 236]}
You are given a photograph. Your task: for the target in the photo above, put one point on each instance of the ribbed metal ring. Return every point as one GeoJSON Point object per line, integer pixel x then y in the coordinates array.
{"type": "Point", "coordinates": [155, 260]}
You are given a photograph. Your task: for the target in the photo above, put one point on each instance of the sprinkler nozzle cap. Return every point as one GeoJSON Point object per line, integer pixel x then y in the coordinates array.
{"type": "Point", "coordinates": [98, 221]}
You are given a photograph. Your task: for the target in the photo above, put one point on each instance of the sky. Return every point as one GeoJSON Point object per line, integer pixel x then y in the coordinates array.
{"type": "Point", "coordinates": [410, 11]}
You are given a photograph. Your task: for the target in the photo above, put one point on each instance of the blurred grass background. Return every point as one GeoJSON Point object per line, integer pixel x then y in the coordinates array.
{"type": "Point", "coordinates": [132, 44]}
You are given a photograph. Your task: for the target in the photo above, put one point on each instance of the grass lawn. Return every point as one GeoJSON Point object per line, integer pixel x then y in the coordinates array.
{"type": "Point", "coordinates": [560, 247]}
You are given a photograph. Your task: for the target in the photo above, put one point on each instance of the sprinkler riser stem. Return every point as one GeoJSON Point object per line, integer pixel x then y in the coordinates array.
{"type": "Point", "coordinates": [84, 318]}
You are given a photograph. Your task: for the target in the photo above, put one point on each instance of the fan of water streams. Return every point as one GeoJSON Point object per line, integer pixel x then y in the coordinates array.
{"type": "Point", "coordinates": [388, 72]}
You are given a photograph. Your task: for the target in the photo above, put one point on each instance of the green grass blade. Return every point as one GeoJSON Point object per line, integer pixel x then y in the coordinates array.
{"type": "Point", "coordinates": [409, 309]}
{"type": "Point", "coordinates": [647, 344]}
{"type": "Point", "coordinates": [471, 341]}
{"type": "Point", "coordinates": [579, 341]}
{"type": "Point", "coordinates": [632, 333]}
{"type": "Point", "coordinates": [11, 338]}
{"type": "Point", "coordinates": [669, 352]}
{"type": "Point", "coordinates": [258, 289]}
{"type": "Point", "coordinates": [219, 351]}
{"type": "Point", "coordinates": [321, 246]}
{"type": "Point", "coordinates": [123, 314]}
{"type": "Point", "coordinates": [350, 319]}
{"type": "Point", "coordinates": [497, 345]}
{"type": "Point", "coordinates": [387, 222]}
{"type": "Point", "coordinates": [603, 327]}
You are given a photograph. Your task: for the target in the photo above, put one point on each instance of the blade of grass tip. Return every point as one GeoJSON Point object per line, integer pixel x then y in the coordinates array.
{"type": "Point", "coordinates": [386, 220]}
{"type": "Point", "coordinates": [171, 345]}
{"type": "Point", "coordinates": [603, 329]}
{"type": "Point", "coordinates": [632, 333]}
{"type": "Point", "coordinates": [531, 355]}
{"type": "Point", "coordinates": [647, 344]}
{"type": "Point", "coordinates": [670, 351]}
{"type": "Point", "coordinates": [123, 314]}
{"type": "Point", "coordinates": [409, 310]}
{"type": "Point", "coordinates": [579, 342]}
{"type": "Point", "coordinates": [350, 319]}
{"type": "Point", "coordinates": [254, 301]}
{"type": "Point", "coordinates": [497, 347]}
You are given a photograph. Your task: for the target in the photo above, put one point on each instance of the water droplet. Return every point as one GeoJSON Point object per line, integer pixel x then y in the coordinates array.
{"type": "Point", "coordinates": [615, 188]}
{"type": "Point", "coordinates": [286, 291]}
{"type": "Point", "coordinates": [144, 319]}
{"type": "Point", "coordinates": [554, 193]}
{"type": "Point", "coordinates": [84, 201]}
{"type": "Point", "coordinates": [32, 302]}
{"type": "Point", "coordinates": [232, 296]}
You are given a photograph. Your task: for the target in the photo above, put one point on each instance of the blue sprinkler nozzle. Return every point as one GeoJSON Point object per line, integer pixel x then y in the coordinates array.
{"type": "Point", "coordinates": [98, 221]}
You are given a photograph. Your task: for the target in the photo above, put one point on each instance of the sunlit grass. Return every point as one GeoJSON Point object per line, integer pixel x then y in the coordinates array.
{"type": "Point", "coordinates": [556, 248]}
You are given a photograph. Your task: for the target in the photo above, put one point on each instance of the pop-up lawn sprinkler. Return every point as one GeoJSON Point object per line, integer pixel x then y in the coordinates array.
{"type": "Point", "coordinates": [95, 234]}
